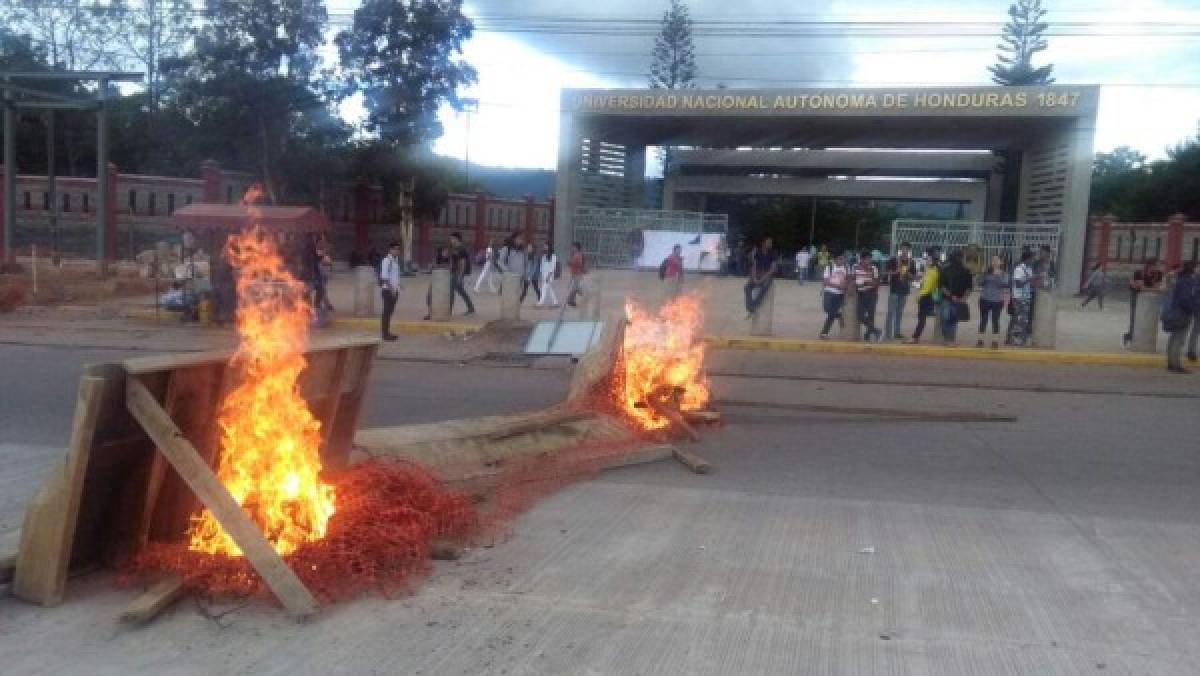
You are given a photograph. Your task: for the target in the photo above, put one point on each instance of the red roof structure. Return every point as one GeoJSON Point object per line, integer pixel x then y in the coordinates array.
{"type": "Point", "coordinates": [202, 217]}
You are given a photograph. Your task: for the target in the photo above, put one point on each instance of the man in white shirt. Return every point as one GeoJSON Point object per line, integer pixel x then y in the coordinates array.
{"type": "Point", "coordinates": [802, 259]}
{"type": "Point", "coordinates": [389, 284]}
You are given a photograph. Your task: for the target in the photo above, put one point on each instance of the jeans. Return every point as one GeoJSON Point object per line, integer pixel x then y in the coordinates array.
{"type": "Point", "coordinates": [1020, 325]}
{"type": "Point", "coordinates": [1133, 296]}
{"type": "Point", "coordinates": [1193, 335]}
{"type": "Point", "coordinates": [926, 308]}
{"type": "Point", "coordinates": [1175, 348]}
{"type": "Point", "coordinates": [389, 306]}
{"type": "Point", "coordinates": [949, 317]}
{"type": "Point", "coordinates": [537, 288]}
{"type": "Point", "coordinates": [457, 288]}
{"type": "Point", "coordinates": [752, 300]}
{"type": "Point", "coordinates": [895, 311]}
{"type": "Point", "coordinates": [832, 303]}
{"type": "Point", "coordinates": [1094, 294]}
{"type": "Point", "coordinates": [867, 302]}
{"type": "Point", "coordinates": [990, 308]}
{"type": "Point", "coordinates": [574, 290]}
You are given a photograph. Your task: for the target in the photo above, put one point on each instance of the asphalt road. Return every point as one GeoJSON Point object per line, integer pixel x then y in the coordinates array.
{"type": "Point", "coordinates": [1064, 542]}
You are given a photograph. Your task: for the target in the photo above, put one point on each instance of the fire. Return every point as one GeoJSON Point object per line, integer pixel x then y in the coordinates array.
{"type": "Point", "coordinates": [269, 439]}
{"type": "Point", "coordinates": [662, 354]}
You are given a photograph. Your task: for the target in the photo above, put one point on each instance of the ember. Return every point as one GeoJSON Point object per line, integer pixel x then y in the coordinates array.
{"type": "Point", "coordinates": [662, 357]}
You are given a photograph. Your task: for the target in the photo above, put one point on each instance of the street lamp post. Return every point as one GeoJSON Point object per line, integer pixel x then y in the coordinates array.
{"type": "Point", "coordinates": [468, 106]}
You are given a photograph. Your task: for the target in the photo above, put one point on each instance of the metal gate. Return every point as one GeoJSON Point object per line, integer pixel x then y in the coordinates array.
{"type": "Point", "coordinates": [1005, 240]}
{"type": "Point", "coordinates": [612, 238]}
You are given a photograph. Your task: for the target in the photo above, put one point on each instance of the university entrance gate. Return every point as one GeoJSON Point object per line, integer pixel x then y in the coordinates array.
{"type": "Point", "coordinates": [1044, 133]}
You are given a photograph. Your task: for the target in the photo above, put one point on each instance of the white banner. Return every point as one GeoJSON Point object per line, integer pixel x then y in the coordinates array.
{"type": "Point", "coordinates": [699, 250]}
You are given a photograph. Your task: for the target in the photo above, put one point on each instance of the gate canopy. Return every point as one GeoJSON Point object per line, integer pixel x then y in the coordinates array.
{"type": "Point", "coordinates": [230, 217]}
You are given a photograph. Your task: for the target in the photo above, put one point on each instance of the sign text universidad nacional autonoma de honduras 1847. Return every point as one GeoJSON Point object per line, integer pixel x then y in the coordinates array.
{"type": "Point", "coordinates": [834, 101]}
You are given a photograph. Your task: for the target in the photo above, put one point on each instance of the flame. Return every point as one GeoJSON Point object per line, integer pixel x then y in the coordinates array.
{"type": "Point", "coordinates": [660, 353]}
{"type": "Point", "coordinates": [269, 440]}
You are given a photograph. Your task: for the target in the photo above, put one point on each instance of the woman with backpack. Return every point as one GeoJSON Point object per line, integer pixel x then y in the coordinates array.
{"type": "Point", "coordinates": [1181, 303]}
{"type": "Point", "coordinates": [836, 279]}
{"type": "Point", "coordinates": [955, 282]}
{"type": "Point", "coordinates": [1020, 324]}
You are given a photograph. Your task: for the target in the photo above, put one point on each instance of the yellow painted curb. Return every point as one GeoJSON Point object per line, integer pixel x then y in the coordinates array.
{"type": "Point", "coordinates": [1009, 354]}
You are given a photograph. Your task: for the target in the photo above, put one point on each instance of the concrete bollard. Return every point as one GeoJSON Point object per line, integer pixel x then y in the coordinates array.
{"type": "Point", "coordinates": [761, 322]}
{"type": "Point", "coordinates": [1045, 319]}
{"type": "Point", "coordinates": [593, 293]}
{"type": "Point", "coordinates": [439, 295]}
{"type": "Point", "coordinates": [366, 287]}
{"type": "Point", "coordinates": [510, 296]}
{"type": "Point", "coordinates": [852, 333]}
{"type": "Point", "coordinates": [1146, 321]}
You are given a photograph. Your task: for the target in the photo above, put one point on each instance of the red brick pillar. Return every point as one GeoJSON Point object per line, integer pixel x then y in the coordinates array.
{"type": "Point", "coordinates": [1106, 223]}
{"type": "Point", "coordinates": [210, 171]}
{"type": "Point", "coordinates": [110, 225]}
{"type": "Point", "coordinates": [362, 214]}
{"type": "Point", "coordinates": [1175, 240]}
{"type": "Point", "coordinates": [481, 205]}
{"type": "Point", "coordinates": [530, 230]}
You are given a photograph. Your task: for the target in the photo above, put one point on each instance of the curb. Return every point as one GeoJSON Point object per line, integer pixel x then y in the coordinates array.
{"type": "Point", "coordinates": [356, 323]}
{"type": "Point", "coordinates": [1016, 355]}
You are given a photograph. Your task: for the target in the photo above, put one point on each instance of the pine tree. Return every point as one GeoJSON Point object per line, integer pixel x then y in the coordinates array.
{"type": "Point", "coordinates": [1023, 37]}
{"type": "Point", "coordinates": [674, 65]}
{"type": "Point", "coordinates": [674, 58]}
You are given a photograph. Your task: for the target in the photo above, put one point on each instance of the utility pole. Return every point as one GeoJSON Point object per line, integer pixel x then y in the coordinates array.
{"type": "Point", "coordinates": [10, 172]}
{"type": "Point", "coordinates": [468, 106]}
{"type": "Point", "coordinates": [102, 178]}
{"type": "Point", "coordinates": [52, 177]}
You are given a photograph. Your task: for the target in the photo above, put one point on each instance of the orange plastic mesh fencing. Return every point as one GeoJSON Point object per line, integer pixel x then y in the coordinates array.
{"type": "Point", "coordinates": [388, 514]}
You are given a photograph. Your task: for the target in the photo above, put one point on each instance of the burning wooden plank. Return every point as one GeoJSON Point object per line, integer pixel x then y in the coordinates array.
{"type": "Point", "coordinates": [153, 601]}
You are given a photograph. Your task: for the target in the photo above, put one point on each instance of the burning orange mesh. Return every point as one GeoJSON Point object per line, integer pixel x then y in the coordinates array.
{"type": "Point", "coordinates": [387, 515]}
{"type": "Point", "coordinates": [661, 353]}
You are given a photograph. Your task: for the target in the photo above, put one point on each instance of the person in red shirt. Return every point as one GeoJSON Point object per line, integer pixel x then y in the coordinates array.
{"type": "Point", "coordinates": [671, 272]}
{"type": "Point", "coordinates": [577, 264]}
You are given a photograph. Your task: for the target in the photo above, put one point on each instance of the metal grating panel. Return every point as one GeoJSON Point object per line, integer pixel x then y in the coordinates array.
{"type": "Point", "coordinates": [1046, 185]}
{"type": "Point", "coordinates": [612, 237]}
{"type": "Point", "coordinates": [996, 239]}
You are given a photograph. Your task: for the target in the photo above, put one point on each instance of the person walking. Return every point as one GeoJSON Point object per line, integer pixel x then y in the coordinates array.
{"type": "Point", "coordinates": [763, 266]}
{"type": "Point", "coordinates": [835, 280]}
{"type": "Point", "coordinates": [866, 283]}
{"type": "Point", "coordinates": [955, 282]}
{"type": "Point", "coordinates": [460, 268]}
{"type": "Point", "coordinates": [511, 258]}
{"type": "Point", "coordinates": [577, 264]}
{"type": "Point", "coordinates": [1093, 288]}
{"type": "Point", "coordinates": [670, 273]}
{"type": "Point", "coordinates": [1149, 277]}
{"type": "Point", "coordinates": [1177, 314]}
{"type": "Point", "coordinates": [993, 288]}
{"type": "Point", "coordinates": [547, 269]}
{"type": "Point", "coordinates": [802, 259]}
{"type": "Point", "coordinates": [389, 285]}
{"type": "Point", "coordinates": [928, 294]}
{"type": "Point", "coordinates": [1020, 320]}
{"type": "Point", "coordinates": [901, 273]}
{"type": "Point", "coordinates": [533, 277]}
{"type": "Point", "coordinates": [487, 272]}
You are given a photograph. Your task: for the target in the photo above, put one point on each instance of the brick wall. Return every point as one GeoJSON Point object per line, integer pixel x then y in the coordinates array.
{"type": "Point", "coordinates": [1125, 247]}
{"type": "Point", "coordinates": [483, 219]}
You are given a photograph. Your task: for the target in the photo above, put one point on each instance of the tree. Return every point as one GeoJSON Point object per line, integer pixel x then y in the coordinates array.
{"type": "Point", "coordinates": [404, 56]}
{"type": "Point", "coordinates": [674, 57]}
{"type": "Point", "coordinates": [1022, 38]}
{"type": "Point", "coordinates": [1134, 190]}
{"type": "Point", "coordinates": [74, 34]}
{"type": "Point", "coordinates": [153, 31]}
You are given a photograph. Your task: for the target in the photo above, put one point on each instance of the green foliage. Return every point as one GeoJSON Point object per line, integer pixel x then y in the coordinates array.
{"type": "Point", "coordinates": [1133, 190]}
{"type": "Point", "coordinates": [674, 57]}
{"type": "Point", "coordinates": [404, 57]}
{"type": "Point", "coordinates": [1022, 38]}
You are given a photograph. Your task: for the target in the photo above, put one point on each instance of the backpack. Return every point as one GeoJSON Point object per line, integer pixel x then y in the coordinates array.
{"type": "Point", "coordinates": [1173, 315]}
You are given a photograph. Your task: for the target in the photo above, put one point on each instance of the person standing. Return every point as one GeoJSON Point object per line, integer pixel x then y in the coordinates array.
{"type": "Point", "coordinates": [1093, 288]}
{"type": "Point", "coordinates": [722, 256]}
{"type": "Point", "coordinates": [956, 285]}
{"type": "Point", "coordinates": [835, 280]}
{"type": "Point", "coordinates": [1149, 277]}
{"type": "Point", "coordinates": [928, 295]}
{"type": "Point", "coordinates": [901, 272]}
{"type": "Point", "coordinates": [670, 272]}
{"type": "Point", "coordinates": [802, 260]}
{"type": "Point", "coordinates": [460, 268]}
{"type": "Point", "coordinates": [511, 258]}
{"type": "Point", "coordinates": [993, 287]}
{"type": "Point", "coordinates": [577, 264]}
{"type": "Point", "coordinates": [533, 277]}
{"type": "Point", "coordinates": [389, 285]}
{"type": "Point", "coordinates": [866, 283]}
{"type": "Point", "coordinates": [547, 269]}
{"type": "Point", "coordinates": [486, 272]}
{"type": "Point", "coordinates": [763, 266]}
{"type": "Point", "coordinates": [1177, 314]}
{"type": "Point", "coordinates": [1020, 321]}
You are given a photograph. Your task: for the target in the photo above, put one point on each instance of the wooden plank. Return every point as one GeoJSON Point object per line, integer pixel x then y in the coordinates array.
{"type": "Point", "coordinates": [194, 411]}
{"type": "Point", "coordinates": [341, 438]}
{"type": "Point", "coordinates": [153, 601]}
{"type": "Point", "coordinates": [692, 461]}
{"type": "Point", "coordinates": [598, 363]}
{"type": "Point", "coordinates": [169, 362]}
{"type": "Point", "coordinates": [900, 413]}
{"type": "Point", "coordinates": [158, 464]}
{"type": "Point", "coordinates": [333, 398]}
{"type": "Point", "coordinates": [49, 529]}
{"type": "Point", "coordinates": [540, 423]}
{"type": "Point", "coordinates": [288, 588]}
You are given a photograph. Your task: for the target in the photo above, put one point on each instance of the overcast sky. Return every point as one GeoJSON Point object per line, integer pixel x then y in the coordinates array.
{"type": "Point", "coordinates": [521, 73]}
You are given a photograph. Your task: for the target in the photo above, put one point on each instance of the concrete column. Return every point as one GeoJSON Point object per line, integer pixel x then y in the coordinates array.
{"type": "Point", "coordinates": [366, 287]}
{"type": "Point", "coordinates": [1045, 319]}
{"type": "Point", "coordinates": [1145, 321]}
{"type": "Point", "coordinates": [510, 296]}
{"type": "Point", "coordinates": [853, 331]}
{"type": "Point", "coordinates": [569, 165]}
{"type": "Point", "coordinates": [635, 175]}
{"type": "Point", "coordinates": [440, 293]}
{"type": "Point", "coordinates": [762, 321]}
{"type": "Point", "coordinates": [1075, 206]}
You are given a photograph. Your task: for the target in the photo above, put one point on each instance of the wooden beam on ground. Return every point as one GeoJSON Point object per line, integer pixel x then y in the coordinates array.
{"type": "Point", "coordinates": [596, 366]}
{"type": "Point", "coordinates": [898, 413]}
{"type": "Point", "coordinates": [702, 417]}
{"type": "Point", "coordinates": [49, 529]}
{"type": "Point", "coordinates": [288, 588]}
{"type": "Point", "coordinates": [153, 601]}
{"type": "Point", "coordinates": [692, 461]}
{"type": "Point", "coordinates": [445, 551]}
{"type": "Point", "coordinates": [539, 422]}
